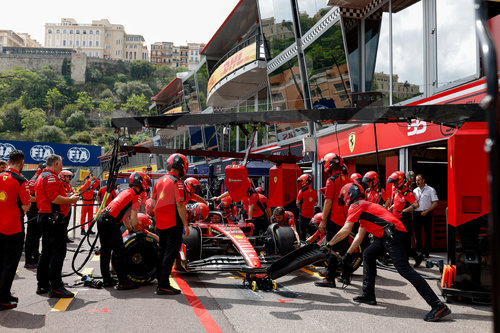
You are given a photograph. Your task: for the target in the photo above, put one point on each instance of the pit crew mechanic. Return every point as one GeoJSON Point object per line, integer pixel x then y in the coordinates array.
{"type": "Point", "coordinates": [334, 215]}
{"type": "Point", "coordinates": [53, 206]}
{"type": "Point", "coordinates": [169, 203]}
{"type": "Point", "coordinates": [14, 202]}
{"type": "Point", "coordinates": [389, 236]}
{"type": "Point", "coordinates": [123, 209]}
{"type": "Point", "coordinates": [307, 198]}
{"type": "Point", "coordinates": [33, 231]}
{"type": "Point", "coordinates": [87, 194]}
{"type": "Point", "coordinates": [285, 218]}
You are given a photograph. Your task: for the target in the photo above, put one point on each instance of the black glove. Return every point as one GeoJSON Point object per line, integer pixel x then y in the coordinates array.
{"type": "Point", "coordinates": [326, 248]}
{"type": "Point", "coordinates": [347, 259]}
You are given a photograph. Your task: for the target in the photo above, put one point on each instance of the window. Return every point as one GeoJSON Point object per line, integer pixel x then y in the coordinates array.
{"type": "Point", "coordinates": [83, 43]}
{"type": "Point", "coordinates": [96, 54]}
{"type": "Point", "coordinates": [97, 43]}
{"type": "Point", "coordinates": [49, 31]}
{"type": "Point", "coordinates": [97, 32]}
{"type": "Point", "coordinates": [58, 31]}
{"type": "Point", "coordinates": [70, 43]}
{"type": "Point", "coordinates": [71, 32]}
{"type": "Point", "coordinates": [64, 43]}
{"type": "Point", "coordinates": [91, 32]}
{"type": "Point", "coordinates": [90, 43]}
{"type": "Point", "coordinates": [84, 32]}
{"type": "Point", "coordinates": [77, 43]}
{"type": "Point", "coordinates": [77, 32]}
{"type": "Point", "coordinates": [64, 32]}
{"type": "Point", "coordinates": [310, 12]}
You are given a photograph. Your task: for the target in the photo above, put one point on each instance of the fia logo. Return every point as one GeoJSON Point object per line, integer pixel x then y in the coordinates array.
{"type": "Point", "coordinates": [5, 149]}
{"type": "Point", "coordinates": [40, 153]}
{"type": "Point", "coordinates": [78, 155]}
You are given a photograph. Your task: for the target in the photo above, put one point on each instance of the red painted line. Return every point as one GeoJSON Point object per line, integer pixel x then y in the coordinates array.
{"type": "Point", "coordinates": [285, 300]}
{"type": "Point", "coordinates": [105, 310]}
{"type": "Point", "coordinates": [206, 320]}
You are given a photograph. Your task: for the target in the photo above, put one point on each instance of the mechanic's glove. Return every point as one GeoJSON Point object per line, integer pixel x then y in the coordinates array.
{"type": "Point", "coordinates": [326, 248]}
{"type": "Point", "coordinates": [347, 258]}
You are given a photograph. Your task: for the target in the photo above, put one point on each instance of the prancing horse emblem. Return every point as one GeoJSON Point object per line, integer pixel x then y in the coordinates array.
{"type": "Point", "coordinates": [352, 141]}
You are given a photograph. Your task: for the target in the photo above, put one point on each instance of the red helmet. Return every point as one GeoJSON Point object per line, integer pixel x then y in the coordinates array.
{"type": "Point", "coordinates": [356, 177]}
{"type": "Point", "coordinates": [64, 173]}
{"type": "Point", "coordinates": [350, 192]}
{"type": "Point", "coordinates": [316, 219]}
{"type": "Point", "coordinates": [192, 185]}
{"type": "Point", "coordinates": [200, 208]}
{"type": "Point", "coordinates": [332, 162]}
{"type": "Point", "coordinates": [178, 162]}
{"type": "Point", "coordinates": [259, 190]}
{"type": "Point", "coordinates": [304, 180]}
{"type": "Point", "coordinates": [144, 221]}
{"type": "Point", "coordinates": [139, 179]}
{"type": "Point", "coordinates": [226, 203]}
{"type": "Point", "coordinates": [371, 176]}
{"type": "Point", "coordinates": [397, 178]}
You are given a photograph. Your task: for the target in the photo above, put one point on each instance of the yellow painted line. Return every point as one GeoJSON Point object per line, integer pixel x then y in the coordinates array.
{"type": "Point", "coordinates": [311, 272]}
{"type": "Point", "coordinates": [88, 271]}
{"type": "Point", "coordinates": [173, 283]}
{"type": "Point", "coordinates": [235, 277]}
{"type": "Point", "coordinates": [95, 258]}
{"type": "Point", "coordinates": [62, 304]}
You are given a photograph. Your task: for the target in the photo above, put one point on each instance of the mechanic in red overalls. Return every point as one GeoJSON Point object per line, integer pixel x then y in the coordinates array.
{"type": "Point", "coordinates": [14, 202]}
{"type": "Point", "coordinates": [403, 203]}
{"type": "Point", "coordinates": [65, 176]}
{"type": "Point", "coordinates": [307, 198]}
{"type": "Point", "coordinates": [389, 235]}
{"type": "Point", "coordinates": [333, 214]}
{"type": "Point", "coordinates": [53, 206]}
{"type": "Point", "coordinates": [123, 209]}
{"type": "Point", "coordinates": [258, 210]}
{"type": "Point", "coordinates": [356, 177]}
{"type": "Point", "coordinates": [33, 231]}
{"type": "Point", "coordinates": [374, 193]}
{"type": "Point", "coordinates": [169, 203]}
{"type": "Point", "coordinates": [193, 189]}
{"type": "Point", "coordinates": [102, 192]}
{"type": "Point", "coordinates": [285, 218]}
{"type": "Point", "coordinates": [87, 194]}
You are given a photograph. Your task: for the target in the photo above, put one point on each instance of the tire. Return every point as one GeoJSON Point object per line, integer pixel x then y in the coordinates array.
{"type": "Point", "coordinates": [193, 244]}
{"type": "Point", "coordinates": [285, 237]}
{"type": "Point", "coordinates": [140, 255]}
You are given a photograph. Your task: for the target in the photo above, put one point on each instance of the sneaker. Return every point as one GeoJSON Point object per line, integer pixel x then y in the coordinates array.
{"type": "Point", "coordinates": [13, 299]}
{"type": "Point", "coordinates": [169, 290]}
{"type": "Point", "coordinates": [437, 313]}
{"type": "Point", "coordinates": [110, 282]}
{"type": "Point", "coordinates": [30, 265]}
{"type": "Point", "coordinates": [325, 283]}
{"type": "Point", "coordinates": [6, 305]}
{"type": "Point", "coordinates": [365, 299]}
{"type": "Point", "coordinates": [126, 286]}
{"type": "Point", "coordinates": [61, 292]}
{"type": "Point", "coordinates": [42, 290]}
{"type": "Point", "coordinates": [82, 232]}
{"type": "Point", "coordinates": [418, 260]}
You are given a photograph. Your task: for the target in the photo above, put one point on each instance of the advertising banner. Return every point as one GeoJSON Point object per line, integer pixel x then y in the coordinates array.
{"type": "Point", "coordinates": [237, 60]}
{"type": "Point", "coordinates": [36, 152]}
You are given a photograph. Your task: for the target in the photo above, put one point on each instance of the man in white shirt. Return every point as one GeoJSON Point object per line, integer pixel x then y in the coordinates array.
{"type": "Point", "coordinates": [427, 201]}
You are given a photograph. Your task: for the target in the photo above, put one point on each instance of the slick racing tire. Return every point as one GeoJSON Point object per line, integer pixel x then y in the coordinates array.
{"type": "Point", "coordinates": [139, 259]}
{"type": "Point", "coordinates": [285, 237]}
{"type": "Point", "coordinates": [193, 244]}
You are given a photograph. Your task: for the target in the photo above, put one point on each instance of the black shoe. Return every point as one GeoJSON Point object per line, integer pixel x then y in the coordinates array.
{"type": "Point", "coordinates": [110, 282]}
{"type": "Point", "coordinates": [82, 232]}
{"type": "Point", "coordinates": [30, 265]}
{"type": "Point", "coordinates": [42, 290]}
{"type": "Point", "coordinates": [126, 286]}
{"type": "Point", "coordinates": [61, 292]}
{"type": "Point", "coordinates": [437, 313]}
{"type": "Point", "coordinates": [169, 290]}
{"type": "Point", "coordinates": [6, 305]}
{"type": "Point", "coordinates": [13, 299]}
{"type": "Point", "coordinates": [325, 283]}
{"type": "Point", "coordinates": [418, 260]}
{"type": "Point", "coordinates": [90, 232]}
{"type": "Point", "coordinates": [365, 299]}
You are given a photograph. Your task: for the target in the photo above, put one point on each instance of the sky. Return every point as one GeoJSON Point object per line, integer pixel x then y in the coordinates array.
{"type": "Point", "coordinates": [195, 21]}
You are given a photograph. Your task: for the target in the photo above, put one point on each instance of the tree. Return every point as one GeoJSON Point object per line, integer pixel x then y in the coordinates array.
{"type": "Point", "coordinates": [32, 120]}
{"type": "Point", "coordinates": [125, 90]}
{"type": "Point", "coordinates": [181, 69]}
{"type": "Point", "coordinates": [68, 110]}
{"type": "Point", "coordinates": [81, 137]}
{"type": "Point", "coordinates": [141, 69]}
{"type": "Point", "coordinates": [50, 134]}
{"type": "Point", "coordinates": [84, 102]}
{"type": "Point", "coordinates": [11, 115]}
{"type": "Point", "coordinates": [76, 120]}
{"type": "Point", "coordinates": [54, 98]}
{"type": "Point", "coordinates": [106, 106]}
{"type": "Point", "coordinates": [136, 103]}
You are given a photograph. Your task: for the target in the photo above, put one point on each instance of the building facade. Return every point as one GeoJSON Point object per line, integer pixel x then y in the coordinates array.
{"type": "Point", "coordinates": [100, 39]}
{"type": "Point", "coordinates": [168, 54]}
{"type": "Point", "coordinates": [9, 38]}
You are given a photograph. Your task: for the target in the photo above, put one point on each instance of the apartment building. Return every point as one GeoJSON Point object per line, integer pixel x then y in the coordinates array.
{"type": "Point", "coordinates": [100, 39]}
{"type": "Point", "coordinates": [9, 38]}
{"type": "Point", "coordinates": [166, 53]}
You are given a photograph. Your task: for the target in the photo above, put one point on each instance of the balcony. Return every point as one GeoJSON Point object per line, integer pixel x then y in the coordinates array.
{"type": "Point", "coordinates": [238, 74]}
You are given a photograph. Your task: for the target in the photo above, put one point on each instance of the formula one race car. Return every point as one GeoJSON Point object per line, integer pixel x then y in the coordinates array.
{"type": "Point", "coordinates": [219, 245]}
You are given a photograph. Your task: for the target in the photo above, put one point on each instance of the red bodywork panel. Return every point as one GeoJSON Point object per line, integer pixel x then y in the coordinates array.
{"type": "Point", "coordinates": [237, 182]}
{"type": "Point", "coordinates": [283, 186]}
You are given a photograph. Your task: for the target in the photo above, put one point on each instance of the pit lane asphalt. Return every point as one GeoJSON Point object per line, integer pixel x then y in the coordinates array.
{"type": "Point", "coordinates": [296, 306]}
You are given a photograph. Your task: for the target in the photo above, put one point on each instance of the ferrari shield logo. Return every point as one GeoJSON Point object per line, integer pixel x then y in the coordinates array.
{"type": "Point", "coordinates": [352, 141]}
{"type": "Point", "coordinates": [275, 179]}
{"type": "Point", "coordinates": [5, 177]}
